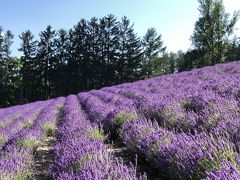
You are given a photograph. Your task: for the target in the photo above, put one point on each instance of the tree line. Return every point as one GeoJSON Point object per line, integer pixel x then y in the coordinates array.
{"type": "Point", "coordinates": [106, 51]}
{"type": "Point", "coordinates": [92, 54]}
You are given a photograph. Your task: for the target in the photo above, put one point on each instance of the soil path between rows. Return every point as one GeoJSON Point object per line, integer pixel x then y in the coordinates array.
{"type": "Point", "coordinates": [119, 150]}
{"type": "Point", "coordinates": [43, 158]}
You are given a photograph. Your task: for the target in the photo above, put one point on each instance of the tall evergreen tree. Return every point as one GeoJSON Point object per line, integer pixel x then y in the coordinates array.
{"type": "Point", "coordinates": [28, 71]}
{"type": "Point", "coordinates": [94, 50]}
{"type": "Point", "coordinates": [46, 61]}
{"type": "Point", "coordinates": [212, 31]}
{"type": "Point", "coordinates": [109, 44]}
{"type": "Point", "coordinates": [9, 67]}
{"type": "Point", "coordinates": [153, 52]}
{"type": "Point", "coordinates": [59, 74]}
{"type": "Point", "coordinates": [7, 41]}
{"type": "Point", "coordinates": [77, 64]}
{"type": "Point", "coordinates": [130, 49]}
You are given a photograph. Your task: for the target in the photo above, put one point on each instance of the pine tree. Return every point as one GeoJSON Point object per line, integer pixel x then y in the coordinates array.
{"type": "Point", "coordinates": [153, 52]}
{"type": "Point", "coordinates": [94, 50]}
{"type": "Point", "coordinates": [130, 53]}
{"type": "Point", "coordinates": [78, 61]}
{"type": "Point", "coordinates": [9, 68]}
{"type": "Point", "coordinates": [5, 54]}
{"type": "Point", "coordinates": [46, 61]}
{"type": "Point", "coordinates": [28, 71]}
{"type": "Point", "coordinates": [59, 74]}
{"type": "Point", "coordinates": [109, 43]}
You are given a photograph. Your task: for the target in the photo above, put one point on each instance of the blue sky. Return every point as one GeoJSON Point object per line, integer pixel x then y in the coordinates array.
{"type": "Point", "coordinates": [174, 19]}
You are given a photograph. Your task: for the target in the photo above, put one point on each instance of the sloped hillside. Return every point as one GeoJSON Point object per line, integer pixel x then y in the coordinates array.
{"type": "Point", "coordinates": [178, 126]}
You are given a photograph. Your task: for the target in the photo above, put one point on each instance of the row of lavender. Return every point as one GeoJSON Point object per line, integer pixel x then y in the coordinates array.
{"type": "Point", "coordinates": [11, 125]}
{"type": "Point", "coordinates": [197, 116]}
{"type": "Point", "coordinates": [80, 152]}
{"type": "Point", "coordinates": [176, 155]}
{"type": "Point", "coordinates": [202, 100]}
{"type": "Point", "coordinates": [23, 134]}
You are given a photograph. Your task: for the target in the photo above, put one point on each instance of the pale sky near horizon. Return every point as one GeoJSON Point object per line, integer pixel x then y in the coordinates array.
{"type": "Point", "coordinates": [173, 19]}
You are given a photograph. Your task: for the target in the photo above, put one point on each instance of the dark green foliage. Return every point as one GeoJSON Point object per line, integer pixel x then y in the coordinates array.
{"type": "Point", "coordinates": [233, 52]}
{"type": "Point", "coordinates": [95, 53]}
{"type": "Point", "coordinates": [28, 71]}
{"type": "Point", "coordinates": [9, 71]}
{"type": "Point", "coordinates": [211, 38]}
{"type": "Point", "coordinates": [155, 61]}
{"type": "Point", "coordinates": [191, 59]}
{"type": "Point", "coordinates": [46, 62]}
{"type": "Point", "coordinates": [212, 32]}
{"type": "Point", "coordinates": [129, 60]}
{"type": "Point", "coordinates": [62, 55]}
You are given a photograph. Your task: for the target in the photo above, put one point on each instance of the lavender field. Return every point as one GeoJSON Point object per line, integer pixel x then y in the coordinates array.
{"type": "Point", "coordinates": [178, 126]}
